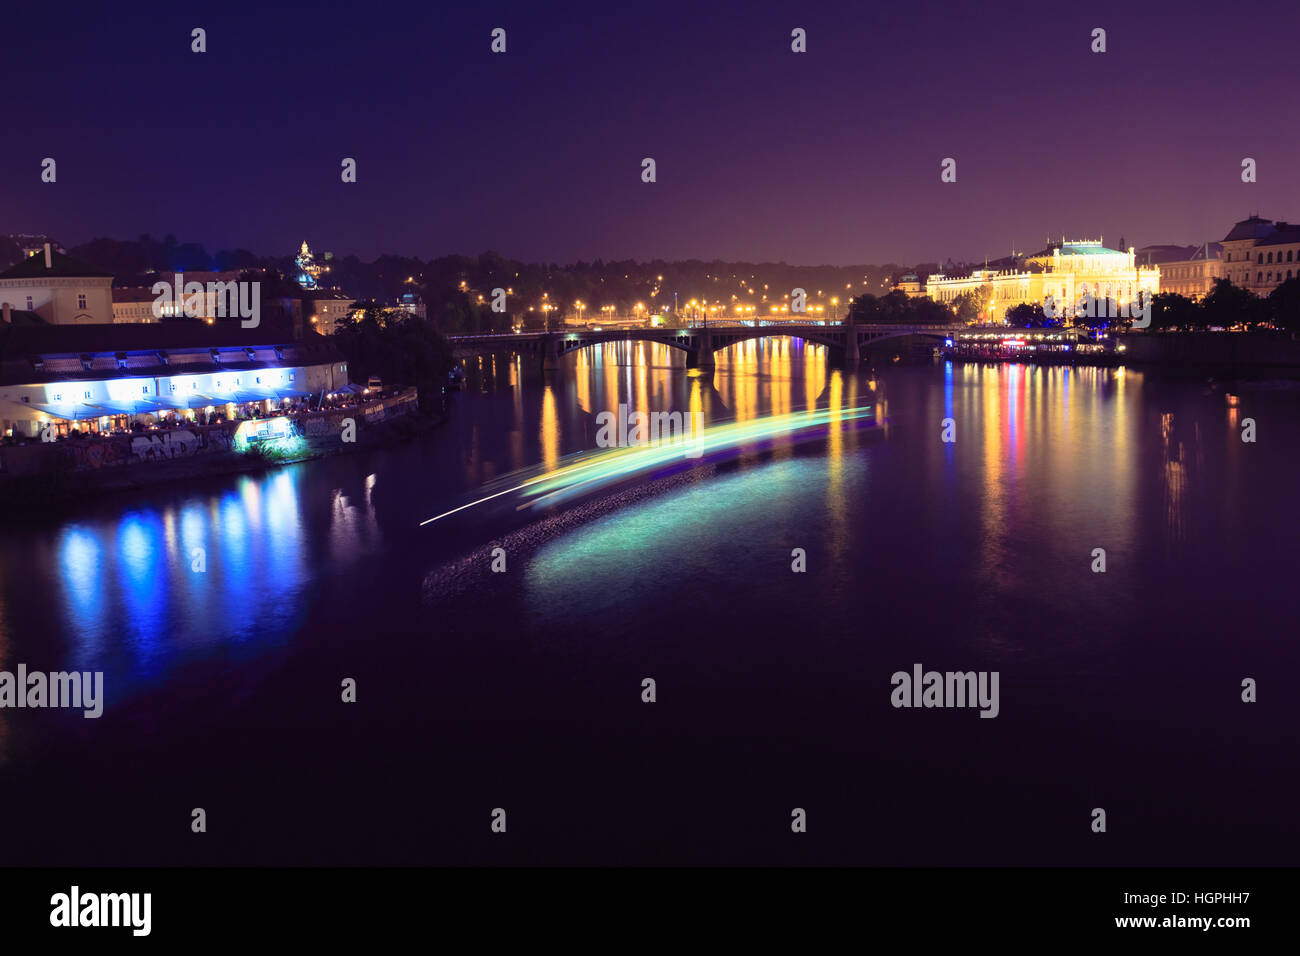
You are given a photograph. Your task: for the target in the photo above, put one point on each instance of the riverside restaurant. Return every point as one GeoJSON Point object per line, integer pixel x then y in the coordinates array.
{"type": "Point", "coordinates": [114, 378]}
{"type": "Point", "coordinates": [1054, 346]}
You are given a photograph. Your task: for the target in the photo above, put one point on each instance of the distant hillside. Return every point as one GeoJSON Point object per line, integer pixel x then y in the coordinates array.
{"type": "Point", "coordinates": [621, 284]}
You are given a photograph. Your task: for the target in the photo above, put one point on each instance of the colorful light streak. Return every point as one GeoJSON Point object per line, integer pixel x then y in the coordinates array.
{"type": "Point", "coordinates": [591, 471]}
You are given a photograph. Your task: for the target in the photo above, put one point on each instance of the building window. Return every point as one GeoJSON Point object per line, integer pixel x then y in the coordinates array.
{"type": "Point", "coordinates": [1289, 253]}
{"type": "Point", "coordinates": [1259, 258]}
{"type": "Point", "coordinates": [81, 300]}
{"type": "Point", "coordinates": [29, 303]}
{"type": "Point", "coordinates": [1259, 277]}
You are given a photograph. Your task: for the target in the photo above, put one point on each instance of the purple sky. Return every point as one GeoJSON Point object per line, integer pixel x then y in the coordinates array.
{"type": "Point", "coordinates": [826, 157]}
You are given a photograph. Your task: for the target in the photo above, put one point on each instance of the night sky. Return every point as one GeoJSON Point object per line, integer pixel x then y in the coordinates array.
{"type": "Point", "coordinates": [826, 157]}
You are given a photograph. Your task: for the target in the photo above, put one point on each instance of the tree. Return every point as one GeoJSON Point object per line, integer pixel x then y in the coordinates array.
{"type": "Point", "coordinates": [456, 314]}
{"type": "Point", "coordinates": [969, 307]}
{"type": "Point", "coordinates": [10, 252]}
{"type": "Point", "coordinates": [865, 309]}
{"type": "Point", "coordinates": [1025, 316]}
{"type": "Point", "coordinates": [1227, 305]}
{"type": "Point", "coordinates": [897, 308]}
{"type": "Point", "coordinates": [228, 260]}
{"type": "Point", "coordinates": [926, 311]}
{"type": "Point", "coordinates": [398, 347]}
{"type": "Point", "coordinates": [1284, 305]}
{"type": "Point", "coordinates": [1172, 312]}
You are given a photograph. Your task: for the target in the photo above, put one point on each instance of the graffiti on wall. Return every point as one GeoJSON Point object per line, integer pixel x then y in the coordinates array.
{"type": "Point", "coordinates": [175, 443]}
{"type": "Point", "coordinates": [95, 454]}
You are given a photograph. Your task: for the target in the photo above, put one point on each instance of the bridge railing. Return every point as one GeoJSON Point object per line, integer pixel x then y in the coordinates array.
{"type": "Point", "coordinates": [809, 324]}
{"type": "Point", "coordinates": [497, 335]}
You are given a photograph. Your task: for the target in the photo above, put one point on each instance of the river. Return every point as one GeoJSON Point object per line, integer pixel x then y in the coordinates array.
{"type": "Point", "coordinates": [226, 615]}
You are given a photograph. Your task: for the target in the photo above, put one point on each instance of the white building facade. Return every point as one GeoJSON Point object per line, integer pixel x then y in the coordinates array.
{"type": "Point", "coordinates": [1065, 273]}
{"type": "Point", "coordinates": [58, 288]}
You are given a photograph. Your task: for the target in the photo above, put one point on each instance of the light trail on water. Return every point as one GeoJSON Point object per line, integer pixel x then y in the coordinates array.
{"type": "Point", "coordinates": [589, 471]}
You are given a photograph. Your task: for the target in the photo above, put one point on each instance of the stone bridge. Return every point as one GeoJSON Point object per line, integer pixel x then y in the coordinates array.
{"type": "Point", "coordinates": [846, 342]}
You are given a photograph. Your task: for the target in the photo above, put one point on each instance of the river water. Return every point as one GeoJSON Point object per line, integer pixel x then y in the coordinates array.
{"type": "Point", "coordinates": [521, 689]}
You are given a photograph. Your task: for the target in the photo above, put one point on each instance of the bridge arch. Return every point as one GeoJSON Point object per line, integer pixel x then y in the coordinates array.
{"type": "Point", "coordinates": [683, 340]}
{"type": "Point", "coordinates": [698, 342]}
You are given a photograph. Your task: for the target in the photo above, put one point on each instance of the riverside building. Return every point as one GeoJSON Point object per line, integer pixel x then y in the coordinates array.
{"type": "Point", "coordinates": [1066, 272]}
{"type": "Point", "coordinates": [103, 377]}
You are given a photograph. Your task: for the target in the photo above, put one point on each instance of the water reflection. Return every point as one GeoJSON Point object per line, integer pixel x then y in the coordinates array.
{"type": "Point", "coordinates": [1048, 464]}
{"type": "Point", "coordinates": [139, 592]}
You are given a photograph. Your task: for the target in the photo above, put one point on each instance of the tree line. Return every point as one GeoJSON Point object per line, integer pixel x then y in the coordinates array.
{"type": "Point", "coordinates": [1225, 306]}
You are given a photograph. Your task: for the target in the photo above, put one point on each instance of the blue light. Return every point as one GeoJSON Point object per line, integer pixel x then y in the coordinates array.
{"type": "Point", "coordinates": [142, 573]}
{"type": "Point", "coordinates": [79, 552]}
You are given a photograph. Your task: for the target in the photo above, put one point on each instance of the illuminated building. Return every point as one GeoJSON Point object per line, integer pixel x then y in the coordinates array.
{"type": "Point", "coordinates": [1259, 254]}
{"type": "Point", "coordinates": [1185, 270]}
{"type": "Point", "coordinates": [308, 270]}
{"type": "Point", "coordinates": [911, 285]}
{"type": "Point", "coordinates": [99, 375]}
{"type": "Point", "coordinates": [1065, 271]}
{"type": "Point", "coordinates": [136, 303]}
{"type": "Point", "coordinates": [58, 288]}
{"type": "Point", "coordinates": [326, 308]}
{"type": "Point", "coordinates": [412, 304]}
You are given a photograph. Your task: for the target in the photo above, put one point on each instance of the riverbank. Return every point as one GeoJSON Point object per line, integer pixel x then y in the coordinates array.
{"type": "Point", "coordinates": [1236, 351]}
{"type": "Point", "coordinates": [1034, 357]}
{"type": "Point", "coordinates": [59, 471]}
{"type": "Point", "coordinates": [1239, 349]}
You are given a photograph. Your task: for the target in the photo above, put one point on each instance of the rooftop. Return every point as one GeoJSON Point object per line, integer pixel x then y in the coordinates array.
{"type": "Point", "coordinates": [61, 267]}
{"type": "Point", "coordinates": [133, 293]}
{"type": "Point", "coordinates": [1252, 228]}
{"type": "Point", "coordinates": [1082, 247]}
{"type": "Point", "coordinates": [1285, 235]}
{"type": "Point", "coordinates": [22, 346]}
{"type": "Point", "coordinates": [140, 336]}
